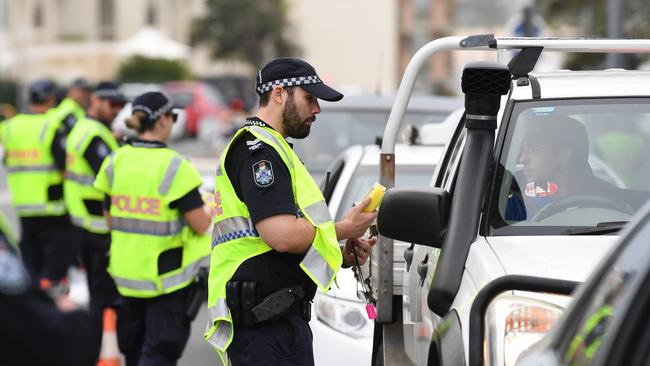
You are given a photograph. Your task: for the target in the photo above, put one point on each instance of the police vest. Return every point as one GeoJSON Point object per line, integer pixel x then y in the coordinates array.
{"type": "Point", "coordinates": [67, 107]}
{"type": "Point", "coordinates": [142, 182]}
{"type": "Point", "coordinates": [79, 175]}
{"type": "Point", "coordinates": [235, 239]}
{"type": "Point", "coordinates": [27, 141]}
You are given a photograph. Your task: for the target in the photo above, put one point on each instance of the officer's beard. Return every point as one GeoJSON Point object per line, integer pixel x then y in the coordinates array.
{"type": "Point", "coordinates": [294, 125]}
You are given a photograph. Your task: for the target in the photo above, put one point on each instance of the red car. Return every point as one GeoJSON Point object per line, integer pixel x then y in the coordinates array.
{"type": "Point", "coordinates": [199, 100]}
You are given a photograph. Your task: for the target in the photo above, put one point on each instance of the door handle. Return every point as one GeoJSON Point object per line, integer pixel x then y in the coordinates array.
{"type": "Point", "coordinates": [408, 256]}
{"type": "Point", "coordinates": [422, 269]}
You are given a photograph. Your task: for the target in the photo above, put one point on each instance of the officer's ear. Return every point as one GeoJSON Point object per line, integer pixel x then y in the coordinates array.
{"type": "Point", "coordinates": [276, 94]}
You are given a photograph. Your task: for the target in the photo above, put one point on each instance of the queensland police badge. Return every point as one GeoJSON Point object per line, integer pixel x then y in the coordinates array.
{"type": "Point", "coordinates": [263, 173]}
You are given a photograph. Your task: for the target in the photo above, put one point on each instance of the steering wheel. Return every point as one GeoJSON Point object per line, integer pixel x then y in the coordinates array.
{"type": "Point", "coordinates": [563, 204]}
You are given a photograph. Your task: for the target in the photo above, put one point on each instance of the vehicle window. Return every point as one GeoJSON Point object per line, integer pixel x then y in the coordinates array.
{"type": "Point", "coordinates": [213, 95]}
{"type": "Point", "coordinates": [365, 176]}
{"type": "Point", "coordinates": [573, 163]}
{"type": "Point", "coordinates": [181, 99]}
{"type": "Point", "coordinates": [452, 164]}
{"type": "Point", "coordinates": [328, 183]}
{"type": "Point", "coordinates": [336, 130]}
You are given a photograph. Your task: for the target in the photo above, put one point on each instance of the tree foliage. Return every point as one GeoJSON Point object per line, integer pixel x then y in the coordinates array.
{"type": "Point", "coordinates": [252, 31]}
{"type": "Point", "coordinates": [590, 16]}
{"type": "Point", "coordinates": [152, 70]}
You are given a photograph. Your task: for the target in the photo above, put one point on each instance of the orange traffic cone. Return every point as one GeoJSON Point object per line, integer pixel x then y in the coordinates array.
{"type": "Point", "coordinates": [110, 353]}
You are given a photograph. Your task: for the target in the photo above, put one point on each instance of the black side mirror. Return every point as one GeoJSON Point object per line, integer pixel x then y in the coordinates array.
{"type": "Point", "coordinates": [414, 215]}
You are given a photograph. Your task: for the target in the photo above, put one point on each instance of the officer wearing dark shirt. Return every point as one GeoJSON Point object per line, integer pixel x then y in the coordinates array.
{"type": "Point", "coordinates": [105, 103]}
{"type": "Point", "coordinates": [289, 91]}
{"type": "Point", "coordinates": [36, 330]}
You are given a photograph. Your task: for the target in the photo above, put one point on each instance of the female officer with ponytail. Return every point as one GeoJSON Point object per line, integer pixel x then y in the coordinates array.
{"type": "Point", "coordinates": [158, 235]}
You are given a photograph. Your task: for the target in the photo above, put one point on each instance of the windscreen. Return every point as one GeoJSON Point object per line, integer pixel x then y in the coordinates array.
{"type": "Point", "coordinates": [573, 163]}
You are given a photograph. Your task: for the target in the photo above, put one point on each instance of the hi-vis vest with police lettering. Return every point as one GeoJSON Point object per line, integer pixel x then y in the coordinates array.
{"type": "Point", "coordinates": [234, 238]}
{"type": "Point", "coordinates": [142, 182]}
{"type": "Point", "coordinates": [27, 141]}
{"type": "Point", "coordinates": [79, 176]}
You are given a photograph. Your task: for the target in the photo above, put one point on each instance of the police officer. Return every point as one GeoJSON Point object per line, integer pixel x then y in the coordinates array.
{"type": "Point", "coordinates": [35, 167]}
{"type": "Point", "coordinates": [76, 101]}
{"type": "Point", "coordinates": [273, 239]}
{"type": "Point", "coordinates": [158, 240]}
{"type": "Point", "coordinates": [88, 143]}
{"type": "Point", "coordinates": [35, 329]}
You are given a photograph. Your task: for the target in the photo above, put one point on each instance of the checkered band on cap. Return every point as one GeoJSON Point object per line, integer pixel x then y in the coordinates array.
{"type": "Point", "coordinates": [108, 93]}
{"type": "Point", "coordinates": [295, 81]}
{"type": "Point", "coordinates": [153, 115]}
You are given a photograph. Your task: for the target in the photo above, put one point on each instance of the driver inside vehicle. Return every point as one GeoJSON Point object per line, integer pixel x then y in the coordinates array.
{"type": "Point", "coordinates": [556, 174]}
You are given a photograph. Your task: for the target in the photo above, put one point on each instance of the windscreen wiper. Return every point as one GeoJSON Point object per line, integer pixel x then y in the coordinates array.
{"type": "Point", "coordinates": [601, 228]}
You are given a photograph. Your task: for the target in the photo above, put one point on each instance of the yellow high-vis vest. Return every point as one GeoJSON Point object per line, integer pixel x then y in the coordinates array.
{"type": "Point", "coordinates": [27, 142]}
{"type": "Point", "coordinates": [235, 239]}
{"type": "Point", "coordinates": [79, 176]}
{"type": "Point", "coordinates": [142, 182]}
{"type": "Point", "coordinates": [67, 107]}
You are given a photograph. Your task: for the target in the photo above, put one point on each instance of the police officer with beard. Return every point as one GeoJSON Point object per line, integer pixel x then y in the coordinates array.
{"type": "Point", "coordinates": [273, 239]}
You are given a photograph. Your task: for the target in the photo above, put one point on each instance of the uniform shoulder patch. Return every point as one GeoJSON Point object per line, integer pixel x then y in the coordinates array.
{"type": "Point", "coordinates": [254, 145]}
{"type": "Point", "coordinates": [263, 173]}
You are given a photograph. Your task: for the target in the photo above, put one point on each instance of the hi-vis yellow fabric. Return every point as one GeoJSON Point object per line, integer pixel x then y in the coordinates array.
{"type": "Point", "coordinates": [142, 182]}
{"type": "Point", "coordinates": [234, 238]}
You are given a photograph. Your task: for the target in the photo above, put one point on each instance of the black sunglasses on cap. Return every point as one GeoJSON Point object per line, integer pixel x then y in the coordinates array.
{"type": "Point", "coordinates": [173, 115]}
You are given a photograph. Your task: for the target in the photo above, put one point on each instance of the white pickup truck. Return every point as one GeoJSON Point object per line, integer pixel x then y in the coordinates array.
{"type": "Point", "coordinates": [542, 171]}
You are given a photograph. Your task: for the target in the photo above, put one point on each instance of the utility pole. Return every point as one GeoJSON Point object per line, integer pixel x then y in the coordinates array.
{"type": "Point", "coordinates": [615, 30]}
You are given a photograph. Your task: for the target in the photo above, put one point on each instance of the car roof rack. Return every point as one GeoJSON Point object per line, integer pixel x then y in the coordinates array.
{"type": "Point", "coordinates": [486, 42]}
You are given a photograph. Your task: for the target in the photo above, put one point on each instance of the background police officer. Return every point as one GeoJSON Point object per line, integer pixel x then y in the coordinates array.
{"type": "Point", "coordinates": [35, 167]}
{"type": "Point", "coordinates": [88, 143]}
{"type": "Point", "coordinates": [273, 239]}
{"type": "Point", "coordinates": [158, 242]}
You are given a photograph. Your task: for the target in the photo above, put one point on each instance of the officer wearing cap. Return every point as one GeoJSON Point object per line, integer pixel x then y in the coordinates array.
{"type": "Point", "coordinates": [36, 330]}
{"type": "Point", "coordinates": [273, 239]}
{"type": "Point", "coordinates": [88, 143]}
{"type": "Point", "coordinates": [35, 165]}
{"type": "Point", "coordinates": [75, 103]}
{"type": "Point", "coordinates": [158, 235]}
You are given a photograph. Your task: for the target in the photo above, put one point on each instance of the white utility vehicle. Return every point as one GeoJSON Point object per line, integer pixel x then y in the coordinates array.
{"type": "Point", "coordinates": [541, 172]}
{"type": "Point", "coordinates": [339, 319]}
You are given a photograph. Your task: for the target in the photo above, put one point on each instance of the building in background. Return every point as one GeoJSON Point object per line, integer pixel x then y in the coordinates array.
{"type": "Point", "coordinates": [63, 39]}
{"type": "Point", "coordinates": [362, 46]}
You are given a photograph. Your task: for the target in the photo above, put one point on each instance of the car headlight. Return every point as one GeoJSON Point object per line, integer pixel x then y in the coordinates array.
{"type": "Point", "coordinates": [347, 317]}
{"type": "Point", "coordinates": [514, 323]}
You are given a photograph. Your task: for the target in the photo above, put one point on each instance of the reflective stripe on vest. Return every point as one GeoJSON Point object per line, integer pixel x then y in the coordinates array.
{"type": "Point", "coordinates": [32, 168]}
{"type": "Point", "coordinates": [55, 206]}
{"type": "Point", "coordinates": [318, 212]}
{"type": "Point", "coordinates": [84, 180]}
{"type": "Point", "coordinates": [188, 273]}
{"type": "Point", "coordinates": [147, 227]}
{"type": "Point", "coordinates": [222, 334]}
{"type": "Point", "coordinates": [169, 175]}
{"type": "Point", "coordinates": [232, 228]}
{"type": "Point", "coordinates": [95, 223]}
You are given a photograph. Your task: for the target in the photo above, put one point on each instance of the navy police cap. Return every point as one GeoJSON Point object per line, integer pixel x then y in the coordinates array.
{"type": "Point", "coordinates": [153, 104]}
{"type": "Point", "coordinates": [290, 71]}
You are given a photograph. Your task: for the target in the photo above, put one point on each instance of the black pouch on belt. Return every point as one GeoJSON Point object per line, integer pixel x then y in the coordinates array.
{"type": "Point", "coordinates": [233, 299]}
{"type": "Point", "coordinates": [249, 298]}
{"type": "Point", "coordinates": [277, 304]}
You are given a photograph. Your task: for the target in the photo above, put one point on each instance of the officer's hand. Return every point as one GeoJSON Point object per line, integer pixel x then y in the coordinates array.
{"type": "Point", "coordinates": [355, 222]}
{"type": "Point", "coordinates": [359, 247]}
